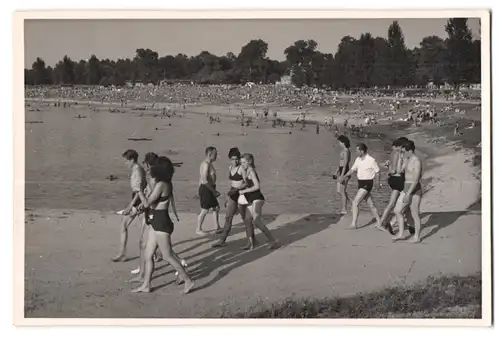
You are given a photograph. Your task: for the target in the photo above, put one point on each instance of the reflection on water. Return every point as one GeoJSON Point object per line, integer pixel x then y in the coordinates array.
{"type": "Point", "coordinates": [68, 160]}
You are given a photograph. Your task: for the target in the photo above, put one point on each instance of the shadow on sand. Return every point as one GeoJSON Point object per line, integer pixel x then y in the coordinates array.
{"type": "Point", "coordinates": [225, 259]}
{"type": "Point", "coordinates": [441, 220]}
{"type": "Point", "coordinates": [230, 257]}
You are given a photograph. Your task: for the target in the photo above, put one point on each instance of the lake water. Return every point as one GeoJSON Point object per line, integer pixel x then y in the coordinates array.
{"type": "Point", "coordinates": [68, 160]}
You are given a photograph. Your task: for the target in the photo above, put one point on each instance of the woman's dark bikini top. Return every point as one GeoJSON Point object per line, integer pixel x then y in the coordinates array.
{"type": "Point", "coordinates": [236, 176]}
{"type": "Point", "coordinates": [163, 198]}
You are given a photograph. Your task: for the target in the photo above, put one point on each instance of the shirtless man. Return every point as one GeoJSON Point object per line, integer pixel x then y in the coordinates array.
{"type": "Point", "coordinates": [207, 192]}
{"type": "Point", "coordinates": [137, 183]}
{"type": "Point", "coordinates": [412, 193]}
{"type": "Point", "coordinates": [396, 178]}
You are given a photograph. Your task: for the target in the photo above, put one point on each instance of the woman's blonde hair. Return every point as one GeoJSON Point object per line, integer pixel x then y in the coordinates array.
{"type": "Point", "coordinates": [249, 158]}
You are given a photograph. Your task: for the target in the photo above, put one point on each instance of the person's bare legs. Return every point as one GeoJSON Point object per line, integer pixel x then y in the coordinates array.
{"type": "Point", "coordinates": [399, 210]}
{"type": "Point", "coordinates": [157, 256]}
{"type": "Point", "coordinates": [142, 248]}
{"type": "Point", "coordinates": [373, 209]}
{"type": "Point", "coordinates": [216, 220]}
{"type": "Point", "coordinates": [394, 222]}
{"type": "Point", "coordinates": [342, 190]}
{"type": "Point", "coordinates": [256, 212]}
{"type": "Point", "coordinates": [390, 207]}
{"type": "Point", "coordinates": [415, 214]}
{"type": "Point", "coordinates": [355, 206]}
{"type": "Point", "coordinates": [243, 211]}
{"type": "Point", "coordinates": [248, 221]}
{"type": "Point", "coordinates": [149, 263]}
{"type": "Point", "coordinates": [201, 219]}
{"type": "Point", "coordinates": [165, 245]}
{"type": "Point", "coordinates": [125, 223]}
{"type": "Point", "coordinates": [181, 261]}
{"type": "Point", "coordinates": [232, 207]}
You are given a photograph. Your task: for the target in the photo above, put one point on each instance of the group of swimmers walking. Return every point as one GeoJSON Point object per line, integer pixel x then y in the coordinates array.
{"type": "Point", "coordinates": [404, 176]}
{"type": "Point", "coordinates": [153, 193]}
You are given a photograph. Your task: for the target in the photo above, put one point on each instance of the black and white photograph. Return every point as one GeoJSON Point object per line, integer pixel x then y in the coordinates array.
{"type": "Point", "coordinates": [255, 167]}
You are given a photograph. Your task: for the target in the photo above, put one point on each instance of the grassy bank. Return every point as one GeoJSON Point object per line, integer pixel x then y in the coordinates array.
{"type": "Point", "coordinates": [436, 297]}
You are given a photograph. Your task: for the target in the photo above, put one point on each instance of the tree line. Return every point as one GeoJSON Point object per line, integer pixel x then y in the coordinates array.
{"type": "Point", "coordinates": [365, 62]}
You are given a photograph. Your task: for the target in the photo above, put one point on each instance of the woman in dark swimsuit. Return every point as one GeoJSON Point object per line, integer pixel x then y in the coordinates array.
{"type": "Point", "coordinates": [236, 172]}
{"type": "Point", "coordinates": [151, 159]}
{"type": "Point", "coordinates": [255, 200]}
{"type": "Point", "coordinates": [345, 158]}
{"type": "Point", "coordinates": [162, 226]}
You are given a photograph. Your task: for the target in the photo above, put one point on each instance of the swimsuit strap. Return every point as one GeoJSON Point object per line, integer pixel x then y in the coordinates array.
{"type": "Point", "coordinates": [163, 198]}
{"type": "Point", "coordinates": [256, 175]}
{"type": "Point", "coordinates": [235, 176]}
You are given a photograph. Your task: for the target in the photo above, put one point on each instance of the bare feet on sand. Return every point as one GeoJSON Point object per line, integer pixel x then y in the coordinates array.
{"type": "Point", "coordinates": [201, 233]}
{"type": "Point", "coordinates": [415, 240]}
{"type": "Point", "coordinates": [188, 286]}
{"type": "Point", "coordinates": [248, 246]}
{"type": "Point", "coordinates": [273, 245]}
{"type": "Point", "coordinates": [397, 238]}
{"type": "Point", "coordinates": [118, 258]}
{"type": "Point", "coordinates": [219, 244]}
{"type": "Point", "coordinates": [141, 289]}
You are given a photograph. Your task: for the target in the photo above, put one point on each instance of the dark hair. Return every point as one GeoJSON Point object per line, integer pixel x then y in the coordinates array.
{"type": "Point", "coordinates": [409, 145]}
{"type": "Point", "coordinates": [362, 147]}
{"type": "Point", "coordinates": [162, 169]}
{"type": "Point", "coordinates": [150, 158]}
{"type": "Point", "coordinates": [234, 152]}
{"type": "Point", "coordinates": [209, 150]}
{"type": "Point", "coordinates": [249, 158]}
{"type": "Point", "coordinates": [344, 140]}
{"type": "Point", "coordinates": [400, 141]}
{"type": "Point", "coordinates": [160, 174]}
{"type": "Point", "coordinates": [131, 155]}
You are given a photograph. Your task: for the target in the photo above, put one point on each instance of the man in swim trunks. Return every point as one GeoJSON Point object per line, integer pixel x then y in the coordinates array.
{"type": "Point", "coordinates": [396, 179]}
{"type": "Point", "coordinates": [137, 183]}
{"type": "Point", "coordinates": [367, 170]}
{"type": "Point", "coordinates": [412, 192]}
{"type": "Point", "coordinates": [207, 192]}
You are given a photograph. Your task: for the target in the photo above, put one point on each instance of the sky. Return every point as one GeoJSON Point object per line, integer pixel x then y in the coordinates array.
{"type": "Point", "coordinates": [113, 39]}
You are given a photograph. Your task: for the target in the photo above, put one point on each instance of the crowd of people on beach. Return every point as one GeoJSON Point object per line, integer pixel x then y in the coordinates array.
{"type": "Point", "coordinates": [153, 195]}
{"type": "Point", "coordinates": [282, 95]}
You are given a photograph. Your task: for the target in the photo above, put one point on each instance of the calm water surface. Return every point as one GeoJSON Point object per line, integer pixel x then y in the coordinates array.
{"type": "Point", "coordinates": [68, 160]}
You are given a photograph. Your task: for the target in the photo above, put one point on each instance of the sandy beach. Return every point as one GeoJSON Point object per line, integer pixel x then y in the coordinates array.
{"type": "Point", "coordinates": [318, 258]}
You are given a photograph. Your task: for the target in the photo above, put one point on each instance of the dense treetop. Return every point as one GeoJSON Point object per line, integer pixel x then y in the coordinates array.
{"type": "Point", "coordinates": [364, 62]}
